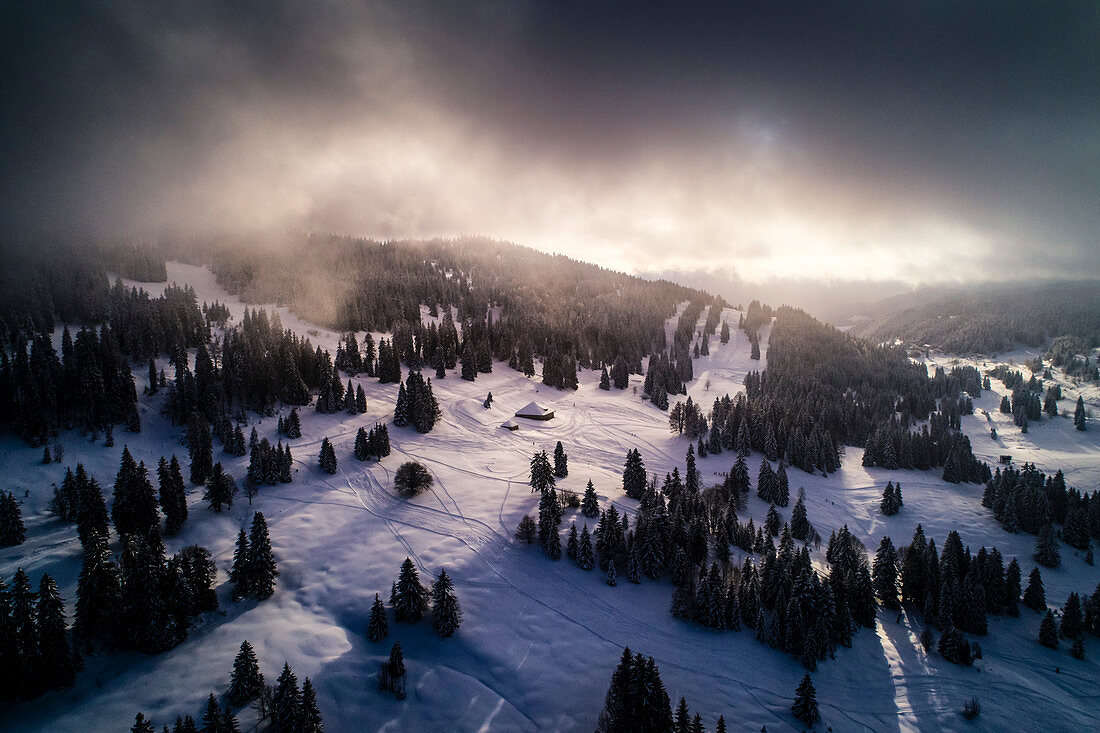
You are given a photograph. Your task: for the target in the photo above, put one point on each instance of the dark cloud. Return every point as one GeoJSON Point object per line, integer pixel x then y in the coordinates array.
{"type": "Point", "coordinates": [932, 136]}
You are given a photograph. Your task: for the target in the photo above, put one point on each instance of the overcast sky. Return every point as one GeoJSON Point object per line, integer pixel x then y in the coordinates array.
{"type": "Point", "coordinates": [913, 141]}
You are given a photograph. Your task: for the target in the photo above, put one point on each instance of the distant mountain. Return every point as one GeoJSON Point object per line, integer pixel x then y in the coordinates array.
{"type": "Point", "coordinates": [990, 318]}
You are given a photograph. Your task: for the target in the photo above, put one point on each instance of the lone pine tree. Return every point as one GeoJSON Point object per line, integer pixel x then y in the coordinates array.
{"type": "Point", "coordinates": [327, 458]}
{"type": "Point", "coordinates": [246, 683]}
{"type": "Point", "coordinates": [446, 612]}
{"type": "Point", "coordinates": [377, 626]}
{"type": "Point", "coordinates": [410, 599]}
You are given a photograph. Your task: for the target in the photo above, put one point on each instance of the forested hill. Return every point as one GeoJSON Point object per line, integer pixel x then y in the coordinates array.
{"type": "Point", "coordinates": [994, 319]}
{"type": "Point", "coordinates": [542, 305]}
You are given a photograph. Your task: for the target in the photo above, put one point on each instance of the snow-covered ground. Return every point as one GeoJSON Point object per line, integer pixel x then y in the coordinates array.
{"type": "Point", "coordinates": [540, 638]}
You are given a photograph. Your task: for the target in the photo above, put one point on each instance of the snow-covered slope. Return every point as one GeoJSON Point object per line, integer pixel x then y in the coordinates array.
{"type": "Point", "coordinates": [540, 638]}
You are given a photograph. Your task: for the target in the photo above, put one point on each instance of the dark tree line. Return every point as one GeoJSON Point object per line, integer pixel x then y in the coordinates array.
{"type": "Point", "coordinates": [996, 319]}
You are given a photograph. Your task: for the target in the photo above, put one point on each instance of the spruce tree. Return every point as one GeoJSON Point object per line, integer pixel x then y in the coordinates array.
{"type": "Point", "coordinates": [611, 577]}
{"type": "Point", "coordinates": [1046, 548]}
{"type": "Point", "coordinates": [173, 499]}
{"type": "Point", "coordinates": [220, 489]}
{"type": "Point", "coordinates": [885, 574]}
{"type": "Point", "coordinates": [200, 448]}
{"type": "Point", "coordinates": [246, 683]}
{"type": "Point", "coordinates": [585, 557]}
{"type": "Point", "coordinates": [141, 725]}
{"type": "Point", "coordinates": [327, 457]}
{"type": "Point", "coordinates": [542, 475]}
{"type": "Point", "coordinates": [561, 461]}
{"type": "Point", "coordinates": [377, 626]}
{"type": "Point", "coordinates": [1079, 420]}
{"type": "Point", "coordinates": [12, 530]}
{"type": "Point", "coordinates": [240, 575]}
{"type": "Point", "coordinates": [590, 505]}
{"type": "Point", "coordinates": [446, 613]}
{"type": "Point", "coordinates": [262, 569]}
{"type": "Point", "coordinates": [1048, 631]}
{"type": "Point", "coordinates": [310, 721]}
{"type": "Point", "coordinates": [527, 532]}
{"type": "Point", "coordinates": [58, 661]}
{"type": "Point", "coordinates": [800, 522]}
{"type": "Point", "coordinates": [1073, 622]}
{"type": "Point", "coordinates": [392, 676]}
{"type": "Point", "coordinates": [98, 591]}
{"type": "Point", "coordinates": [286, 703]}
{"type": "Point", "coordinates": [410, 602]}
{"type": "Point", "coordinates": [805, 702]}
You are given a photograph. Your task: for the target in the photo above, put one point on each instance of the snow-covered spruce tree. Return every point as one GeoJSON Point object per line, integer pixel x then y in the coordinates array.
{"type": "Point", "coordinates": [446, 612]}
{"type": "Point", "coordinates": [240, 575]}
{"type": "Point", "coordinates": [377, 626]}
{"type": "Point", "coordinates": [1035, 596]}
{"type": "Point", "coordinates": [542, 474]}
{"type": "Point", "coordinates": [605, 381]}
{"type": "Point", "coordinates": [360, 451]}
{"type": "Point", "coordinates": [12, 530]}
{"type": "Point", "coordinates": [220, 489]}
{"type": "Point", "coordinates": [1048, 631]}
{"type": "Point", "coordinates": [561, 461]}
{"type": "Point", "coordinates": [1079, 419]}
{"type": "Point", "coordinates": [636, 699]}
{"type": "Point", "coordinates": [58, 662]}
{"type": "Point", "coordinates": [550, 514]}
{"type": "Point", "coordinates": [173, 497]}
{"type": "Point", "coordinates": [310, 718]}
{"type": "Point", "coordinates": [410, 601]}
{"type": "Point", "coordinates": [327, 457]}
{"type": "Point", "coordinates": [286, 703]}
{"type": "Point", "coordinates": [391, 676]}
{"type": "Point", "coordinates": [805, 702]}
{"type": "Point", "coordinates": [142, 725]}
{"type": "Point", "coordinates": [571, 544]}
{"type": "Point", "coordinates": [135, 506]}
{"type": "Point", "coordinates": [611, 577]}
{"type": "Point", "coordinates": [1046, 548]}
{"type": "Point", "coordinates": [527, 532]}
{"type": "Point", "coordinates": [634, 476]}
{"type": "Point", "coordinates": [800, 522]}
{"type": "Point", "coordinates": [586, 559]}
{"type": "Point", "coordinates": [200, 448]}
{"type": "Point", "coordinates": [293, 426]}
{"type": "Point", "coordinates": [885, 573]}
{"type": "Point", "coordinates": [262, 569]}
{"type": "Point", "coordinates": [246, 682]}
{"type": "Point", "coordinates": [590, 504]}
{"type": "Point", "coordinates": [97, 592]}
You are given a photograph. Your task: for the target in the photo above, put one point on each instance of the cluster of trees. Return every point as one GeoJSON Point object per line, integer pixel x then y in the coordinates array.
{"type": "Point", "coordinates": [145, 599]}
{"type": "Point", "coordinates": [269, 465]}
{"type": "Point", "coordinates": [89, 386]}
{"type": "Point", "coordinates": [1030, 501]}
{"type": "Point", "coordinates": [36, 648]}
{"type": "Point", "coordinates": [411, 601]}
{"type": "Point", "coordinates": [891, 499]}
{"type": "Point", "coordinates": [995, 319]}
{"type": "Point", "coordinates": [1079, 615]}
{"type": "Point", "coordinates": [416, 404]}
{"type": "Point", "coordinates": [254, 570]}
{"type": "Point", "coordinates": [288, 708]}
{"type": "Point", "coordinates": [374, 443]}
{"type": "Point", "coordinates": [938, 443]}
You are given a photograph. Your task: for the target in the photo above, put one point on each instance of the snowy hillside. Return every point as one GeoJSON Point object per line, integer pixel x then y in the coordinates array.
{"type": "Point", "coordinates": [540, 638]}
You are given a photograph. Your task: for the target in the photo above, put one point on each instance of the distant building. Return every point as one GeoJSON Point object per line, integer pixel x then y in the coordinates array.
{"type": "Point", "coordinates": [1006, 459]}
{"type": "Point", "coordinates": [535, 411]}
{"type": "Point", "coordinates": [510, 425]}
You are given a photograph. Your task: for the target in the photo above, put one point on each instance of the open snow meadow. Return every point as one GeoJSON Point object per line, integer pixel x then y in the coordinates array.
{"type": "Point", "coordinates": [540, 638]}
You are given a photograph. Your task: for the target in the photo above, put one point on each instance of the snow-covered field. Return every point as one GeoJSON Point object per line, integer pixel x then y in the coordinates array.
{"type": "Point", "coordinates": [540, 638]}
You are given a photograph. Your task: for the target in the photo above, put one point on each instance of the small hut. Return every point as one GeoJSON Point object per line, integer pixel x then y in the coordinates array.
{"type": "Point", "coordinates": [510, 425]}
{"type": "Point", "coordinates": [535, 411]}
